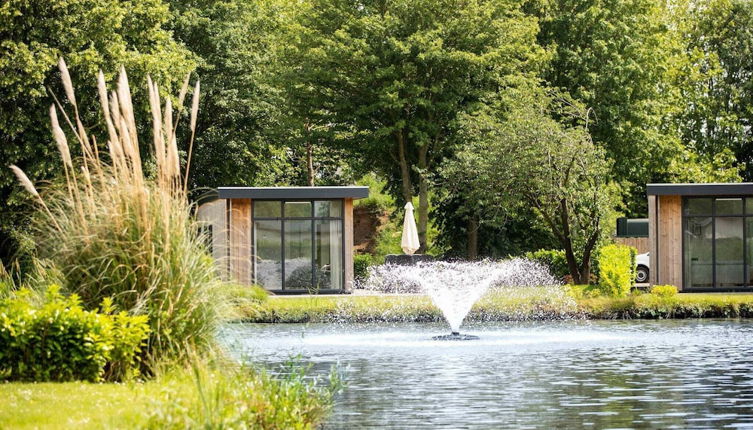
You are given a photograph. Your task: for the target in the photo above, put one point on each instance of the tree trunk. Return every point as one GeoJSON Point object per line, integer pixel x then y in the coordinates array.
{"type": "Point", "coordinates": [567, 244]}
{"type": "Point", "coordinates": [572, 264]}
{"type": "Point", "coordinates": [407, 186]}
{"type": "Point", "coordinates": [585, 268]}
{"type": "Point", "coordinates": [472, 237]}
{"type": "Point", "coordinates": [423, 199]}
{"type": "Point", "coordinates": [309, 155]}
{"type": "Point", "coordinates": [310, 162]}
{"type": "Point", "coordinates": [585, 272]}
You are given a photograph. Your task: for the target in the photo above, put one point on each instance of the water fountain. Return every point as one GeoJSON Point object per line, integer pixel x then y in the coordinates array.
{"type": "Point", "coordinates": [454, 287]}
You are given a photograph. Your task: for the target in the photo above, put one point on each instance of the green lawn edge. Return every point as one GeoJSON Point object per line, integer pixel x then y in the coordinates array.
{"type": "Point", "coordinates": [497, 307]}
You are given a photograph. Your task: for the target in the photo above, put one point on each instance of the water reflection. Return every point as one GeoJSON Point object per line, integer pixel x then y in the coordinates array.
{"type": "Point", "coordinates": [681, 374]}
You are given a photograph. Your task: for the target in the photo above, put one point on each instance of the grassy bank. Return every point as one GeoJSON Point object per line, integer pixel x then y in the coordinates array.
{"type": "Point", "coordinates": [192, 398]}
{"type": "Point", "coordinates": [500, 305]}
{"type": "Point", "coordinates": [520, 303]}
{"type": "Point", "coordinates": [687, 305]}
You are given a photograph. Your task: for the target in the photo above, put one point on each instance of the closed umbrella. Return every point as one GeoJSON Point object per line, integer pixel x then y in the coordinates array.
{"type": "Point", "coordinates": [410, 242]}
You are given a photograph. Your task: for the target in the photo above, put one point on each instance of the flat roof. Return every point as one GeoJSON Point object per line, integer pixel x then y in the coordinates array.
{"type": "Point", "coordinates": [715, 189]}
{"type": "Point", "coordinates": [283, 193]}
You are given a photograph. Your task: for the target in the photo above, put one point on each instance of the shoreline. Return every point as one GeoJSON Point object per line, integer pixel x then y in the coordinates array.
{"type": "Point", "coordinates": [531, 306]}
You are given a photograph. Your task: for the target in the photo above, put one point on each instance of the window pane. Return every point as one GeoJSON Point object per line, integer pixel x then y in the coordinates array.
{"type": "Point", "coordinates": [698, 236]}
{"type": "Point", "coordinates": [749, 206]}
{"type": "Point", "coordinates": [268, 250]}
{"type": "Point", "coordinates": [696, 206]}
{"type": "Point", "coordinates": [267, 209]}
{"type": "Point", "coordinates": [328, 208]}
{"type": "Point", "coordinates": [297, 209]}
{"type": "Point", "coordinates": [298, 273]}
{"type": "Point", "coordinates": [329, 255]}
{"type": "Point", "coordinates": [729, 206]}
{"type": "Point", "coordinates": [729, 252]}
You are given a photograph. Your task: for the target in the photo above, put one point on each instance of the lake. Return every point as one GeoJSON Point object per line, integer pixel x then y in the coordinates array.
{"type": "Point", "coordinates": [592, 374]}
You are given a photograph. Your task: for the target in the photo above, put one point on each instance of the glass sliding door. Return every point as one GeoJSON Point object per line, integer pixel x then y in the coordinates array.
{"type": "Point", "coordinates": [298, 245]}
{"type": "Point", "coordinates": [699, 262]}
{"type": "Point", "coordinates": [728, 242]}
{"type": "Point", "coordinates": [717, 244]}
{"type": "Point", "coordinates": [329, 254]}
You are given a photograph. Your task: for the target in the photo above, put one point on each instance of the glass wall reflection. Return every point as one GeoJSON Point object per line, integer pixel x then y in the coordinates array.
{"type": "Point", "coordinates": [268, 254]}
{"type": "Point", "coordinates": [329, 253]}
{"type": "Point", "coordinates": [699, 263]}
{"type": "Point", "coordinates": [298, 249]}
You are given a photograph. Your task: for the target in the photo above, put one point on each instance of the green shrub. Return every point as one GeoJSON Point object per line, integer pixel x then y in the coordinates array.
{"type": "Point", "coordinates": [60, 341]}
{"type": "Point", "coordinates": [664, 290]}
{"type": "Point", "coordinates": [361, 263]}
{"type": "Point", "coordinates": [616, 270]}
{"type": "Point", "coordinates": [554, 259]}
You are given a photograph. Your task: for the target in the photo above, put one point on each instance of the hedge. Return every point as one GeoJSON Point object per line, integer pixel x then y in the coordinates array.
{"type": "Point", "coordinates": [60, 341]}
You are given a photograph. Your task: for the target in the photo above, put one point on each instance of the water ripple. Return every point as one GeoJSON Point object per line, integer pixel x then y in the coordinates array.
{"type": "Point", "coordinates": [638, 374]}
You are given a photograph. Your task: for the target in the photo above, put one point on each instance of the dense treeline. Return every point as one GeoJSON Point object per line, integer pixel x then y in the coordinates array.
{"type": "Point", "coordinates": [514, 124]}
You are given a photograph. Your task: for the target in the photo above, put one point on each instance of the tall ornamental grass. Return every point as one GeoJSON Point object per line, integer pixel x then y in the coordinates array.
{"type": "Point", "coordinates": [114, 231]}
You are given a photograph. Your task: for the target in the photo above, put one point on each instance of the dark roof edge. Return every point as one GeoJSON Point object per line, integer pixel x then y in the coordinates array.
{"type": "Point", "coordinates": [716, 189]}
{"type": "Point", "coordinates": [347, 192]}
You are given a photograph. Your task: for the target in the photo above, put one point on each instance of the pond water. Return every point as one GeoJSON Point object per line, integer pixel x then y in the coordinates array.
{"type": "Point", "coordinates": [634, 374]}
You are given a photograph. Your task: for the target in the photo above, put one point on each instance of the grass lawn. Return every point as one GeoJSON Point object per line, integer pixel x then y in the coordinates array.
{"type": "Point", "coordinates": [500, 305]}
{"type": "Point", "coordinates": [200, 397]}
{"type": "Point", "coordinates": [75, 405]}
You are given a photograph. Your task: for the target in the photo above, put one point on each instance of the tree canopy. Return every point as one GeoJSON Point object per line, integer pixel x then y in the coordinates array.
{"type": "Point", "coordinates": [394, 76]}
{"type": "Point", "coordinates": [90, 35]}
{"type": "Point", "coordinates": [324, 91]}
{"type": "Point", "coordinates": [538, 153]}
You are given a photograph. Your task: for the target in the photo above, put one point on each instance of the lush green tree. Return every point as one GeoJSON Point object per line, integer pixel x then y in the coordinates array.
{"type": "Point", "coordinates": [539, 155]}
{"type": "Point", "coordinates": [716, 78]}
{"type": "Point", "coordinates": [234, 43]}
{"type": "Point", "coordinates": [308, 129]}
{"type": "Point", "coordinates": [619, 58]}
{"type": "Point", "coordinates": [391, 77]}
{"type": "Point", "coordinates": [90, 35]}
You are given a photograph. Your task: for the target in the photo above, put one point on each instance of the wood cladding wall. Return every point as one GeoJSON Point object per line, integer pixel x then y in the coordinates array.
{"type": "Point", "coordinates": [348, 232]}
{"type": "Point", "coordinates": [639, 243]}
{"type": "Point", "coordinates": [240, 240]}
{"type": "Point", "coordinates": [665, 234]}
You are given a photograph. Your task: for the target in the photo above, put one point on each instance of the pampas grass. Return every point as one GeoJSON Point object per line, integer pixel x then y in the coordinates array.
{"type": "Point", "coordinates": [113, 232]}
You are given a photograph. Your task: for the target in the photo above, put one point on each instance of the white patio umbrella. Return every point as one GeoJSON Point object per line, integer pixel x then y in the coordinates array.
{"type": "Point", "coordinates": [410, 242]}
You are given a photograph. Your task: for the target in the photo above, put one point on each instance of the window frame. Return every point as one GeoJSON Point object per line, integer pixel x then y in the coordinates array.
{"type": "Point", "coordinates": [312, 218]}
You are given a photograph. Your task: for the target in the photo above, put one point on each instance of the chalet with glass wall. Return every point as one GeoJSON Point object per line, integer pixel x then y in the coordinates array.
{"type": "Point", "coordinates": [286, 239]}
{"type": "Point", "coordinates": [701, 236]}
